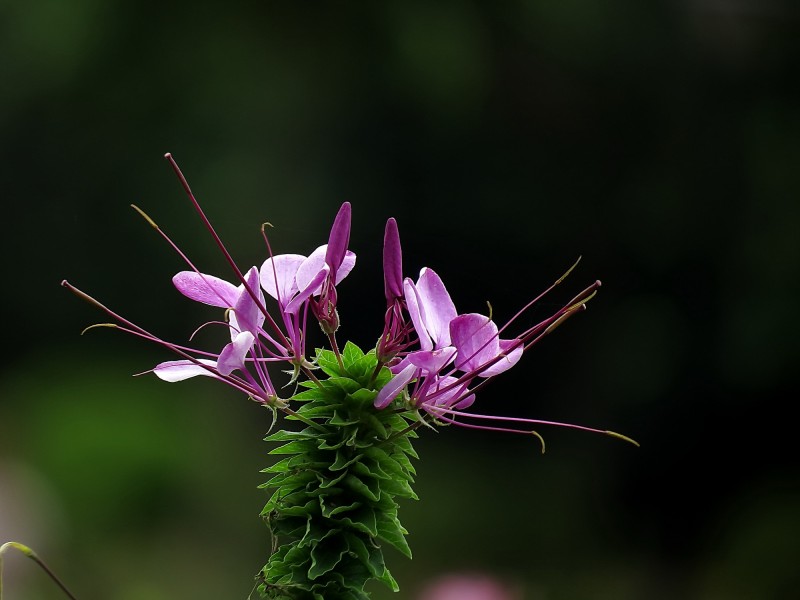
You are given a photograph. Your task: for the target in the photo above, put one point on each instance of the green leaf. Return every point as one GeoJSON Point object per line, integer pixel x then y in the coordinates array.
{"type": "Point", "coordinates": [344, 460]}
{"type": "Point", "coordinates": [296, 447]}
{"type": "Point", "coordinates": [342, 420]}
{"type": "Point", "coordinates": [362, 519]}
{"type": "Point", "coordinates": [328, 363]}
{"type": "Point", "coordinates": [391, 532]}
{"type": "Point", "coordinates": [370, 489]}
{"type": "Point", "coordinates": [350, 354]}
{"type": "Point", "coordinates": [286, 436]}
{"type": "Point", "coordinates": [333, 510]}
{"type": "Point", "coordinates": [279, 467]}
{"type": "Point", "coordinates": [326, 554]}
{"type": "Point", "coordinates": [346, 384]}
{"type": "Point", "coordinates": [364, 396]}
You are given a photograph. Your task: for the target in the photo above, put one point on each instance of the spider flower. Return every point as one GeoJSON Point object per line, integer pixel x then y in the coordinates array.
{"type": "Point", "coordinates": [256, 338]}
{"type": "Point", "coordinates": [455, 350]}
{"type": "Point", "coordinates": [245, 352]}
{"type": "Point", "coordinates": [470, 342]}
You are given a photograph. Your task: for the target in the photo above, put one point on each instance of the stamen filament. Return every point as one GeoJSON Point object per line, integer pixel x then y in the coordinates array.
{"type": "Point", "coordinates": [613, 434]}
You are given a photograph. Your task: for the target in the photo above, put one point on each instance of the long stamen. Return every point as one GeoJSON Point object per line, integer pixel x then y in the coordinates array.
{"type": "Point", "coordinates": [182, 351]}
{"type": "Point", "coordinates": [607, 432]}
{"type": "Point", "coordinates": [495, 429]}
{"type": "Point", "coordinates": [220, 244]}
{"type": "Point", "coordinates": [540, 296]}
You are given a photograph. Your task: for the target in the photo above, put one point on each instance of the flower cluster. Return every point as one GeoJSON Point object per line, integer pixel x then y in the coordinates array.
{"type": "Point", "coordinates": [335, 495]}
{"type": "Point", "coordinates": [438, 358]}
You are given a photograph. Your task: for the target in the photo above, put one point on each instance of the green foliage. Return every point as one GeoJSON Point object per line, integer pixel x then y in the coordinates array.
{"type": "Point", "coordinates": [335, 493]}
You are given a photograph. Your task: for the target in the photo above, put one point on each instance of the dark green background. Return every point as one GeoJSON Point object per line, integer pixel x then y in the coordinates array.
{"type": "Point", "coordinates": [660, 140]}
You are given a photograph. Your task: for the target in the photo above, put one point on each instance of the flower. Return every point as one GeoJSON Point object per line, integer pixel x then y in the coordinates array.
{"type": "Point", "coordinates": [295, 281]}
{"type": "Point", "coordinates": [470, 341]}
{"type": "Point", "coordinates": [246, 319]}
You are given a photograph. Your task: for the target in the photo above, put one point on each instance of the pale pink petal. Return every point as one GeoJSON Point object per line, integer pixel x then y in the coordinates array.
{"type": "Point", "coordinates": [310, 268]}
{"type": "Point", "coordinates": [451, 397]}
{"type": "Point", "coordinates": [394, 386]}
{"type": "Point", "coordinates": [179, 370]}
{"type": "Point", "coordinates": [233, 355]}
{"type": "Point", "coordinates": [315, 262]}
{"type": "Point", "coordinates": [278, 276]}
{"type": "Point", "coordinates": [205, 288]}
{"type": "Point", "coordinates": [436, 306]}
{"type": "Point", "coordinates": [347, 265]}
{"type": "Point", "coordinates": [414, 306]}
{"type": "Point", "coordinates": [306, 292]}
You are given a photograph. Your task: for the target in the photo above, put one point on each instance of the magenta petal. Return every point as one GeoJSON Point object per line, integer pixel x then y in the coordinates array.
{"type": "Point", "coordinates": [206, 289]}
{"type": "Point", "coordinates": [339, 238]}
{"type": "Point", "coordinates": [437, 307]}
{"type": "Point", "coordinates": [278, 276]}
{"type": "Point", "coordinates": [511, 351]}
{"type": "Point", "coordinates": [179, 370]}
{"type": "Point", "coordinates": [394, 386]}
{"type": "Point", "coordinates": [392, 262]}
{"type": "Point", "coordinates": [432, 361]}
{"type": "Point", "coordinates": [233, 355]}
{"type": "Point", "coordinates": [476, 338]}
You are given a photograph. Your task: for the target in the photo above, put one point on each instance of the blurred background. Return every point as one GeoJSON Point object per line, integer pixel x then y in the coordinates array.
{"type": "Point", "coordinates": [659, 140]}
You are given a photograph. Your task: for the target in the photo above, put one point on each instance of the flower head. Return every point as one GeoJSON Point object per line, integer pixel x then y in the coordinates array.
{"type": "Point", "coordinates": [438, 358]}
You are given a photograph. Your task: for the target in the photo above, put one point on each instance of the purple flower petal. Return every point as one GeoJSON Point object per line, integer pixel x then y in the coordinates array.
{"type": "Point", "coordinates": [339, 238]}
{"type": "Point", "coordinates": [310, 268]}
{"type": "Point", "coordinates": [435, 309]}
{"type": "Point", "coordinates": [306, 292]}
{"type": "Point", "coordinates": [312, 265]}
{"type": "Point", "coordinates": [179, 370]}
{"type": "Point", "coordinates": [432, 361]}
{"type": "Point", "coordinates": [477, 340]}
{"type": "Point", "coordinates": [414, 307]}
{"type": "Point", "coordinates": [206, 289]}
{"type": "Point", "coordinates": [392, 262]}
{"type": "Point", "coordinates": [283, 267]}
{"type": "Point", "coordinates": [233, 355]}
{"type": "Point", "coordinates": [347, 265]}
{"type": "Point", "coordinates": [394, 386]}
{"type": "Point", "coordinates": [249, 316]}
{"type": "Point", "coordinates": [451, 397]}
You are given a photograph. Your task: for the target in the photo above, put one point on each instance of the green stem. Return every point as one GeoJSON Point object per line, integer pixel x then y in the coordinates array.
{"type": "Point", "coordinates": [335, 348]}
{"type": "Point", "coordinates": [32, 555]}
